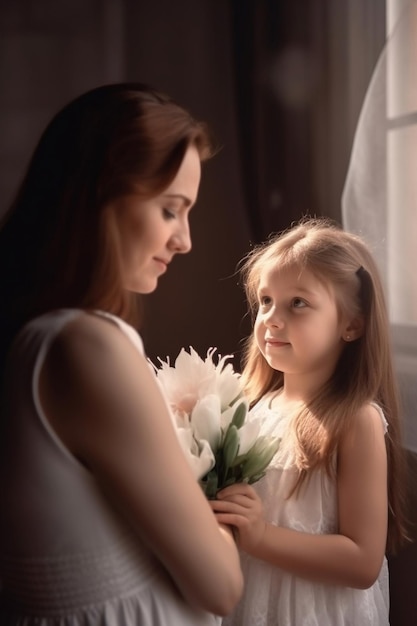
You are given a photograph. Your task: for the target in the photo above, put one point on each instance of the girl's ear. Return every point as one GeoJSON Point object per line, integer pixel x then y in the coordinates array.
{"type": "Point", "coordinates": [354, 329]}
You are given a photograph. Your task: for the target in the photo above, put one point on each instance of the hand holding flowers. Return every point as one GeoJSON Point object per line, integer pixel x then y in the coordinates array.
{"type": "Point", "coordinates": [210, 411]}
{"type": "Point", "coordinates": [240, 507]}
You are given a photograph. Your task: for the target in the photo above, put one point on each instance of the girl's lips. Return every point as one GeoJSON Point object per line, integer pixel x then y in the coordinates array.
{"type": "Point", "coordinates": [274, 343]}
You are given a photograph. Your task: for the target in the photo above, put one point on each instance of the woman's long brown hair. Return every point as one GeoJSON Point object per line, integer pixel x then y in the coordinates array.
{"type": "Point", "coordinates": [57, 242]}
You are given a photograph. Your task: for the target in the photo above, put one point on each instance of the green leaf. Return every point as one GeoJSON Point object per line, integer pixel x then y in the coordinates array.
{"type": "Point", "coordinates": [257, 462]}
{"type": "Point", "coordinates": [210, 484]}
{"type": "Point", "coordinates": [239, 415]}
{"type": "Point", "coordinates": [239, 459]}
{"type": "Point", "coordinates": [230, 448]}
{"type": "Point", "coordinates": [230, 481]}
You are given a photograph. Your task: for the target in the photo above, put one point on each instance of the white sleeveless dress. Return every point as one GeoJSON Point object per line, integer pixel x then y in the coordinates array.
{"type": "Point", "coordinates": [67, 558]}
{"type": "Point", "coordinates": [273, 597]}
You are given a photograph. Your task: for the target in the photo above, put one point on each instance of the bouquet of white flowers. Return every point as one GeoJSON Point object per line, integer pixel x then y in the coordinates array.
{"type": "Point", "coordinates": [210, 411]}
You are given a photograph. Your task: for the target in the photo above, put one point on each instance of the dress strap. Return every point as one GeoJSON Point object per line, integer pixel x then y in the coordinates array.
{"type": "Point", "coordinates": [382, 416]}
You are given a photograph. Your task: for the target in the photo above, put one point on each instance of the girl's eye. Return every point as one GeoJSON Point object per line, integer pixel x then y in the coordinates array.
{"type": "Point", "coordinates": [298, 303]}
{"type": "Point", "coordinates": [169, 214]}
{"type": "Point", "coordinates": [264, 300]}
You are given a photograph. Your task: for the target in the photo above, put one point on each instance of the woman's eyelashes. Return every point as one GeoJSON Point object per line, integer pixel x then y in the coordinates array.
{"type": "Point", "coordinates": [169, 214]}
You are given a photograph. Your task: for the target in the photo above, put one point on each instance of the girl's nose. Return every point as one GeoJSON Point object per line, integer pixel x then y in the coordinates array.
{"type": "Point", "coordinates": [274, 319]}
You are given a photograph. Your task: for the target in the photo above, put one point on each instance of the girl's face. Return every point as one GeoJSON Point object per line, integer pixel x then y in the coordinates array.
{"type": "Point", "coordinates": [152, 231]}
{"type": "Point", "coordinates": [298, 328]}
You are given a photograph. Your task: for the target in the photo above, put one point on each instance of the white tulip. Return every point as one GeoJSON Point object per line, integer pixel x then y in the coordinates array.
{"type": "Point", "coordinates": [205, 420]}
{"type": "Point", "coordinates": [199, 455]}
{"type": "Point", "coordinates": [248, 434]}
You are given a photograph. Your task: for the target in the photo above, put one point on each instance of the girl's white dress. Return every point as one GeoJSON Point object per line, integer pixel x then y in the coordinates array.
{"type": "Point", "coordinates": [67, 558]}
{"type": "Point", "coordinates": [273, 597]}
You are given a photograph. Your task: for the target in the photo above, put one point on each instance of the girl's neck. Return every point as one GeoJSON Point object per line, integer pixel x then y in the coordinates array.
{"type": "Point", "coordinates": [292, 394]}
{"type": "Point", "coordinates": [301, 388]}
{"type": "Point", "coordinates": [281, 402]}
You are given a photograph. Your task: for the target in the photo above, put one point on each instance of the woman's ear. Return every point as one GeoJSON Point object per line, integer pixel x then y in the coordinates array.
{"type": "Point", "coordinates": [354, 329]}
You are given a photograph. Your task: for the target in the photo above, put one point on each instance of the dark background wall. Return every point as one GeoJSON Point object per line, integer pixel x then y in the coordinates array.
{"type": "Point", "coordinates": [280, 82]}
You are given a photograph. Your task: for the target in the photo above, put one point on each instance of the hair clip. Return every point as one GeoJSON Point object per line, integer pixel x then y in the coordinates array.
{"type": "Point", "coordinates": [366, 287]}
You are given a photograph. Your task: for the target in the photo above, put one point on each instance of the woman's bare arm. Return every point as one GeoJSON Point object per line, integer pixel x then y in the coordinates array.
{"type": "Point", "coordinates": [102, 398]}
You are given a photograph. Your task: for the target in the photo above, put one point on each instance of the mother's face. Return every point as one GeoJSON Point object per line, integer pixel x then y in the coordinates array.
{"type": "Point", "coordinates": [152, 231]}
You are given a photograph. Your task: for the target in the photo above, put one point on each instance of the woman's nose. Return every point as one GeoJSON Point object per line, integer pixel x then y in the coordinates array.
{"type": "Point", "coordinates": [181, 240]}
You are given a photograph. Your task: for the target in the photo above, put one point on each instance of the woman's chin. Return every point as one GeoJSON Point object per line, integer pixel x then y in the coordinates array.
{"type": "Point", "coordinates": [144, 286]}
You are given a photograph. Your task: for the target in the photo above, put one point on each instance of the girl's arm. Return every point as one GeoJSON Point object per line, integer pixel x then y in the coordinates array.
{"type": "Point", "coordinates": [103, 400]}
{"type": "Point", "coordinates": [354, 556]}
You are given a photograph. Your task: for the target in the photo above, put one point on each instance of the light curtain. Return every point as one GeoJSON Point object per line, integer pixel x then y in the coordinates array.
{"type": "Point", "coordinates": [379, 199]}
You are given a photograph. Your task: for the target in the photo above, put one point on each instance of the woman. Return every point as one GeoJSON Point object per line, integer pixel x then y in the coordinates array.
{"type": "Point", "coordinates": [102, 522]}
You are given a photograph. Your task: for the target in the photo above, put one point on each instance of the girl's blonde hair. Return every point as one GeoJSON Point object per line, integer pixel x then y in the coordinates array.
{"type": "Point", "coordinates": [364, 372]}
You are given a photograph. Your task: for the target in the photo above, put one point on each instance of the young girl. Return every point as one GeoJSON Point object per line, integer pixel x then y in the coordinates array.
{"type": "Point", "coordinates": [318, 369]}
{"type": "Point", "coordinates": [102, 522]}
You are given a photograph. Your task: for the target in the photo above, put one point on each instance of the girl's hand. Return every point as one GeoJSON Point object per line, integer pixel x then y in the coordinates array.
{"type": "Point", "coordinates": [240, 506]}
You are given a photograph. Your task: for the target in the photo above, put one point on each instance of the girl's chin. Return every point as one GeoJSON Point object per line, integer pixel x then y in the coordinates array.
{"type": "Point", "coordinates": [274, 363]}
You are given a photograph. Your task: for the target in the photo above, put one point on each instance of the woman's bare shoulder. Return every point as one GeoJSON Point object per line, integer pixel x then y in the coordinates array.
{"type": "Point", "coordinates": [88, 340]}
{"type": "Point", "coordinates": [88, 326]}
{"type": "Point", "coordinates": [88, 368]}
